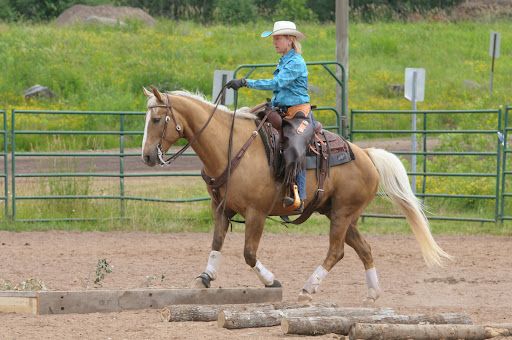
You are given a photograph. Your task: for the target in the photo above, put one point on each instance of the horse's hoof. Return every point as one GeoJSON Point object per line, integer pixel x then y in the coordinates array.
{"type": "Point", "coordinates": [373, 295]}
{"type": "Point", "coordinates": [368, 302]}
{"type": "Point", "coordinates": [202, 281]}
{"type": "Point", "coordinates": [197, 283]}
{"type": "Point", "coordinates": [275, 284]}
{"type": "Point", "coordinates": [305, 297]}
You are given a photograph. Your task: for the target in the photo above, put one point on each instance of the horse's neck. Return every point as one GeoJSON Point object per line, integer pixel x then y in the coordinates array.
{"type": "Point", "coordinates": [212, 145]}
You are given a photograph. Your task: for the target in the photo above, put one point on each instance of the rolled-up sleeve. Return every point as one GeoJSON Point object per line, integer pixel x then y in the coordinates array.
{"type": "Point", "coordinates": [289, 72]}
{"type": "Point", "coordinates": [262, 84]}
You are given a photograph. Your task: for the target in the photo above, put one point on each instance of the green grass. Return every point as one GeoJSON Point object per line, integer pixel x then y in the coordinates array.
{"type": "Point", "coordinates": [104, 68]}
{"type": "Point", "coordinates": [196, 217]}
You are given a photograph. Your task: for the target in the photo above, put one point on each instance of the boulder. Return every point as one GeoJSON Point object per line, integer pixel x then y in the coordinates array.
{"type": "Point", "coordinates": [38, 91]}
{"type": "Point", "coordinates": [108, 14]}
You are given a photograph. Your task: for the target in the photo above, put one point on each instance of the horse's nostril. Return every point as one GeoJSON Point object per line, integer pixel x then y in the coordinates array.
{"type": "Point", "coordinates": [145, 159]}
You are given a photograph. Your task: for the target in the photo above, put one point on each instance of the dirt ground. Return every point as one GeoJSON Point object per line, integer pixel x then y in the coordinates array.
{"type": "Point", "coordinates": [477, 282]}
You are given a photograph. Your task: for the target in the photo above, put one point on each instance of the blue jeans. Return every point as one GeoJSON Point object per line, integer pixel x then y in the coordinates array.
{"type": "Point", "coordinates": [301, 183]}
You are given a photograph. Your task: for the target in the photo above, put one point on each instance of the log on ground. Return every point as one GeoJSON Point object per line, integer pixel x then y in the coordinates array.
{"type": "Point", "coordinates": [234, 319]}
{"type": "Point", "coordinates": [424, 332]}
{"type": "Point", "coordinates": [207, 313]}
{"type": "Point", "coordinates": [317, 325]}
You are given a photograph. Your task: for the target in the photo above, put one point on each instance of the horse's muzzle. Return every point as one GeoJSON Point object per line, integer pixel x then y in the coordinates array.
{"type": "Point", "coordinates": [150, 158]}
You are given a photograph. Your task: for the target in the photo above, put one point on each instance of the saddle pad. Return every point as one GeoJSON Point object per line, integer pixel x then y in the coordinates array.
{"type": "Point", "coordinates": [334, 159]}
{"type": "Point", "coordinates": [340, 151]}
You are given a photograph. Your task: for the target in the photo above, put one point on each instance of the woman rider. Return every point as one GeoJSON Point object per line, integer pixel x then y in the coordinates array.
{"type": "Point", "coordinates": [290, 88]}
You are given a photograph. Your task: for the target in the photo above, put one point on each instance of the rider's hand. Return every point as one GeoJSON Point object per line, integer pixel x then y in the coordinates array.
{"type": "Point", "coordinates": [235, 84]}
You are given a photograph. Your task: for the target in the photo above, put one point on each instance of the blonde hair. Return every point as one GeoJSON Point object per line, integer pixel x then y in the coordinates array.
{"type": "Point", "coordinates": [296, 44]}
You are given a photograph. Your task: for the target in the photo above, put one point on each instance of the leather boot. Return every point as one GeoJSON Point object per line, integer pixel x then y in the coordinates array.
{"type": "Point", "coordinates": [287, 201]}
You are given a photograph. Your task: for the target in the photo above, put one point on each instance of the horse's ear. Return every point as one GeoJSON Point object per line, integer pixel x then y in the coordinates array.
{"type": "Point", "coordinates": [157, 93]}
{"type": "Point", "coordinates": [146, 92]}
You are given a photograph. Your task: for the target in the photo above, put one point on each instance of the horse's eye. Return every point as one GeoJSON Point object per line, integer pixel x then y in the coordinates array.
{"type": "Point", "coordinates": [155, 120]}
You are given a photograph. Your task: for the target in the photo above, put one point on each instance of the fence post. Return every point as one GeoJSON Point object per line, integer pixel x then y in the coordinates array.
{"type": "Point", "coordinates": [121, 165]}
{"type": "Point", "coordinates": [13, 163]}
{"type": "Point", "coordinates": [498, 167]}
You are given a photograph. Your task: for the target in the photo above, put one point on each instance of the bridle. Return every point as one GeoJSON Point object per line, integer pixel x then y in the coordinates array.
{"type": "Point", "coordinates": [169, 114]}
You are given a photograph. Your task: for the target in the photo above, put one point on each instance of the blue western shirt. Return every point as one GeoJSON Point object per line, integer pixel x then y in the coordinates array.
{"type": "Point", "coordinates": [290, 82]}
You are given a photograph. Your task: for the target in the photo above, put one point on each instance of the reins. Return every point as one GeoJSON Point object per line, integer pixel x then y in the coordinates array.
{"type": "Point", "coordinates": [169, 114]}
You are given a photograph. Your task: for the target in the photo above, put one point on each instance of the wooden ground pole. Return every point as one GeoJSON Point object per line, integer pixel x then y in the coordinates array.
{"type": "Point", "coordinates": [93, 301]}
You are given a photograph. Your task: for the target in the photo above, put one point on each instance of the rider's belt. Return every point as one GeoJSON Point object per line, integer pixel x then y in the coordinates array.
{"type": "Point", "coordinates": [291, 111]}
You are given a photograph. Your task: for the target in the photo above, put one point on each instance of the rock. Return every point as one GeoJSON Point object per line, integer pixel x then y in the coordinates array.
{"type": "Point", "coordinates": [103, 14]}
{"type": "Point", "coordinates": [38, 91]}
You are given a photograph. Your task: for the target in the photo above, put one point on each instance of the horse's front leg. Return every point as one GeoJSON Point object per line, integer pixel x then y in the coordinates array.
{"type": "Point", "coordinates": [221, 223]}
{"type": "Point", "coordinates": [254, 223]}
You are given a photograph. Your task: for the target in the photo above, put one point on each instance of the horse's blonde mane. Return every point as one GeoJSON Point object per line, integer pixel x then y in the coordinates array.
{"type": "Point", "coordinates": [243, 112]}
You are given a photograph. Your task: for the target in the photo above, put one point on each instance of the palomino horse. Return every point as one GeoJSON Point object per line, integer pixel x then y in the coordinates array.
{"type": "Point", "coordinates": [254, 194]}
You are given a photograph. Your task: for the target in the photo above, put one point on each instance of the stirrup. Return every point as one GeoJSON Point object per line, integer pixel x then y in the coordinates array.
{"type": "Point", "coordinates": [292, 204]}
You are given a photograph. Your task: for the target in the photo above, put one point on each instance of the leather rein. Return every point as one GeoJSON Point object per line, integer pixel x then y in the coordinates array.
{"type": "Point", "coordinates": [169, 114]}
{"type": "Point", "coordinates": [214, 183]}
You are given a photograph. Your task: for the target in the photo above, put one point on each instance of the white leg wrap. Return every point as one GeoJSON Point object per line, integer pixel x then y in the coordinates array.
{"type": "Point", "coordinates": [213, 264]}
{"type": "Point", "coordinates": [372, 281]}
{"type": "Point", "coordinates": [312, 284]}
{"type": "Point", "coordinates": [263, 273]}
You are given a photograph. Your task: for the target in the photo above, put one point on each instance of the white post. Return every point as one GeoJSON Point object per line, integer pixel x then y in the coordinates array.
{"type": "Point", "coordinates": [220, 78]}
{"type": "Point", "coordinates": [414, 143]}
{"type": "Point", "coordinates": [415, 92]}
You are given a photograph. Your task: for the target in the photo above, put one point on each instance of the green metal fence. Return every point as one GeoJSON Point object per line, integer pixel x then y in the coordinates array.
{"type": "Point", "coordinates": [25, 124]}
{"type": "Point", "coordinates": [4, 173]}
{"type": "Point", "coordinates": [341, 116]}
{"type": "Point", "coordinates": [506, 180]}
{"type": "Point", "coordinates": [23, 118]}
{"type": "Point", "coordinates": [435, 129]}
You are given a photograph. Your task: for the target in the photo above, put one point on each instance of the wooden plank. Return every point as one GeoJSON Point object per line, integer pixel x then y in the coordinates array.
{"type": "Point", "coordinates": [18, 304]}
{"type": "Point", "coordinates": [18, 293]}
{"type": "Point", "coordinates": [63, 302]}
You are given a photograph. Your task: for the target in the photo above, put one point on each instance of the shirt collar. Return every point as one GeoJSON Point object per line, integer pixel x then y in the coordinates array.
{"type": "Point", "coordinates": [288, 55]}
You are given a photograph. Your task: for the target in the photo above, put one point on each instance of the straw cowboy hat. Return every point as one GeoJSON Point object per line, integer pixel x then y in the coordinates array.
{"type": "Point", "coordinates": [284, 28]}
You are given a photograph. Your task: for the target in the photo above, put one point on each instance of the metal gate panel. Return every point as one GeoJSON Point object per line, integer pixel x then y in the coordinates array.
{"type": "Point", "coordinates": [506, 174]}
{"type": "Point", "coordinates": [121, 174]}
{"type": "Point", "coordinates": [4, 154]}
{"type": "Point", "coordinates": [360, 117]}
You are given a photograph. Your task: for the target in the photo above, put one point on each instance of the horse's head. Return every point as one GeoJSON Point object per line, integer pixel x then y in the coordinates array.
{"type": "Point", "coordinates": [162, 129]}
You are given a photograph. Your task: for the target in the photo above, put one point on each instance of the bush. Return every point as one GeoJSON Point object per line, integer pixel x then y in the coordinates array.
{"type": "Point", "coordinates": [295, 10]}
{"type": "Point", "coordinates": [234, 11]}
{"type": "Point", "coordinates": [324, 9]}
{"type": "Point", "coordinates": [387, 10]}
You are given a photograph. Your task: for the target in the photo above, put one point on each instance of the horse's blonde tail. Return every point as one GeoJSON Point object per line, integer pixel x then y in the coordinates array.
{"type": "Point", "coordinates": [395, 183]}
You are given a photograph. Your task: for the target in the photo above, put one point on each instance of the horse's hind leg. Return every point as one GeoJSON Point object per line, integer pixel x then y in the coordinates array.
{"type": "Point", "coordinates": [338, 230]}
{"type": "Point", "coordinates": [364, 251]}
{"type": "Point", "coordinates": [219, 234]}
